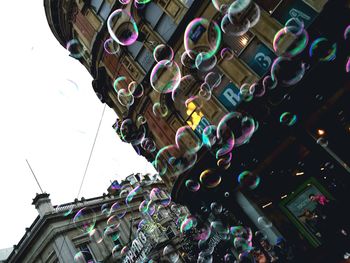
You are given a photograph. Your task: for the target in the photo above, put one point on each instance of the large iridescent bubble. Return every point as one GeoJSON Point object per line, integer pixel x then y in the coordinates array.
{"type": "Point", "coordinates": [85, 220]}
{"type": "Point", "coordinates": [165, 76]}
{"type": "Point", "coordinates": [128, 33]}
{"type": "Point", "coordinates": [192, 30]}
{"type": "Point", "coordinates": [210, 178]}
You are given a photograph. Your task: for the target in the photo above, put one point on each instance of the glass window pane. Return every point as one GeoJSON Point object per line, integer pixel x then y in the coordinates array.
{"type": "Point", "coordinates": [96, 4]}
{"type": "Point", "coordinates": [166, 27]}
{"type": "Point", "coordinates": [135, 48]}
{"type": "Point", "coordinates": [145, 59]}
{"type": "Point", "coordinates": [105, 10]}
{"type": "Point", "coordinates": [153, 13]}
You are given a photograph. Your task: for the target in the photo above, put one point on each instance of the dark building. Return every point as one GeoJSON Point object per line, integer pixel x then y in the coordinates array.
{"type": "Point", "coordinates": [279, 75]}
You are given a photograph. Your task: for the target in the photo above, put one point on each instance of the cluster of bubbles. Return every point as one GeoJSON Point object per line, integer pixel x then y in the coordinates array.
{"type": "Point", "coordinates": [233, 23]}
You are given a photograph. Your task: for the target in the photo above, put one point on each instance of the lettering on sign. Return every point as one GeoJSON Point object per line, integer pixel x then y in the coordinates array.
{"type": "Point", "coordinates": [295, 13]}
{"type": "Point", "coordinates": [232, 97]}
{"type": "Point", "coordinates": [263, 60]}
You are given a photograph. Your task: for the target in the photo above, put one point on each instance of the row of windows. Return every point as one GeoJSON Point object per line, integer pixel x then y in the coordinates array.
{"type": "Point", "coordinates": [101, 7]}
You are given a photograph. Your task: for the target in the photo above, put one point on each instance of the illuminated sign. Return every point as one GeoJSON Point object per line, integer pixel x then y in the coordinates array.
{"type": "Point", "coordinates": [229, 97]}
{"type": "Point", "coordinates": [258, 57]}
{"type": "Point", "coordinates": [197, 33]}
{"type": "Point", "coordinates": [139, 249]}
{"type": "Point", "coordinates": [296, 9]}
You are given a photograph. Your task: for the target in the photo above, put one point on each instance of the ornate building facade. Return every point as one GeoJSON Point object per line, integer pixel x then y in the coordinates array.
{"type": "Point", "coordinates": [109, 228]}
{"type": "Point", "coordinates": [229, 59]}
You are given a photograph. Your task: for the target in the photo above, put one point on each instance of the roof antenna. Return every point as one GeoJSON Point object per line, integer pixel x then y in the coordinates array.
{"type": "Point", "coordinates": [35, 177]}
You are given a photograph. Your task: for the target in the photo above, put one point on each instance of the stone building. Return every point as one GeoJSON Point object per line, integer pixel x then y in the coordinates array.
{"type": "Point", "coordinates": [301, 125]}
{"type": "Point", "coordinates": [59, 233]}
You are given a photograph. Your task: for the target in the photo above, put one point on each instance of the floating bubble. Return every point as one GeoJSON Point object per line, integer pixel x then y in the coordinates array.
{"type": "Point", "coordinates": [142, 2]}
{"type": "Point", "coordinates": [120, 83]}
{"type": "Point", "coordinates": [203, 233]}
{"type": "Point", "coordinates": [125, 98]}
{"type": "Point", "coordinates": [130, 133]}
{"type": "Point", "coordinates": [188, 223]}
{"type": "Point", "coordinates": [347, 66]}
{"type": "Point", "coordinates": [124, 2]}
{"type": "Point", "coordinates": [95, 236]}
{"type": "Point", "coordinates": [184, 140]}
{"type": "Point", "coordinates": [260, 235]}
{"type": "Point", "coordinates": [242, 244]}
{"type": "Point", "coordinates": [75, 49]}
{"type": "Point", "coordinates": [105, 209]}
{"type": "Point", "coordinates": [227, 53]}
{"type": "Point", "coordinates": [264, 222]}
{"type": "Point", "coordinates": [205, 91]}
{"type": "Point", "coordinates": [237, 7]}
{"type": "Point", "coordinates": [227, 194]}
{"type": "Point", "coordinates": [165, 76]}
{"type": "Point", "coordinates": [229, 258]}
{"type": "Point", "coordinates": [209, 136]}
{"type": "Point", "coordinates": [225, 161]}
{"type": "Point", "coordinates": [288, 119]}
{"type": "Point", "coordinates": [221, 5]}
{"type": "Point", "coordinates": [116, 250]}
{"type": "Point", "coordinates": [85, 220]}
{"type": "Point", "coordinates": [160, 110]}
{"type": "Point", "coordinates": [188, 59]}
{"type": "Point", "coordinates": [111, 47]}
{"type": "Point", "coordinates": [148, 145]}
{"type": "Point", "coordinates": [286, 71]}
{"type": "Point", "coordinates": [80, 256]}
{"type": "Point", "coordinates": [216, 208]}
{"type": "Point", "coordinates": [130, 32]}
{"type": "Point", "coordinates": [299, 44]}
{"type": "Point", "coordinates": [180, 94]}
{"type": "Point", "coordinates": [235, 28]}
{"type": "Point", "coordinates": [205, 63]}
{"type": "Point", "coordinates": [248, 179]}
{"type": "Point", "coordinates": [213, 79]}
{"type": "Point", "coordinates": [257, 89]}
{"type": "Point", "coordinates": [137, 190]}
{"type": "Point", "coordinates": [347, 32]}
{"type": "Point", "coordinates": [118, 210]}
{"type": "Point", "coordinates": [163, 52]}
{"type": "Point", "coordinates": [192, 29]}
{"type": "Point", "coordinates": [322, 141]}
{"type": "Point", "coordinates": [192, 185]}
{"type": "Point", "coordinates": [269, 83]}
{"type": "Point", "coordinates": [135, 89]}
{"type": "Point", "coordinates": [323, 49]}
{"type": "Point", "coordinates": [210, 178]}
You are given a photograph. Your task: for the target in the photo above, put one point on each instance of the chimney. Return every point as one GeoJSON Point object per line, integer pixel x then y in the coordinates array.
{"type": "Point", "coordinates": [43, 204]}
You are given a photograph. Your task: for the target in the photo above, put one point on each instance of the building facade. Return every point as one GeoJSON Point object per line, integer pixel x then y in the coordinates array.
{"type": "Point", "coordinates": [297, 127]}
{"type": "Point", "coordinates": [106, 228]}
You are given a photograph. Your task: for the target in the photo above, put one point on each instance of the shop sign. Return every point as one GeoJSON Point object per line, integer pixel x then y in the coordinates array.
{"type": "Point", "coordinates": [201, 126]}
{"type": "Point", "coordinates": [297, 9]}
{"type": "Point", "coordinates": [196, 33]}
{"type": "Point", "coordinates": [139, 249]}
{"type": "Point", "coordinates": [229, 97]}
{"type": "Point", "coordinates": [258, 57]}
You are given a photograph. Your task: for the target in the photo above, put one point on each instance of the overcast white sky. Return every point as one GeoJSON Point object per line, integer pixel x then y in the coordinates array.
{"type": "Point", "coordinates": [51, 121]}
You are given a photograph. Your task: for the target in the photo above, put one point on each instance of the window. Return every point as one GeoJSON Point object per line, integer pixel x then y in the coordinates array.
{"type": "Point", "coordinates": [166, 27]}
{"type": "Point", "coordinates": [86, 253]}
{"type": "Point", "coordinates": [153, 13]}
{"type": "Point", "coordinates": [101, 7]}
{"type": "Point", "coordinates": [96, 4]}
{"type": "Point", "coordinates": [135, 48]}
{"type": "Point", "coordinates": [170, 234]}
{"type": "Point", "coordinates": [160, 21]}
{"type": "Point", "coordinates": [145, 59]}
